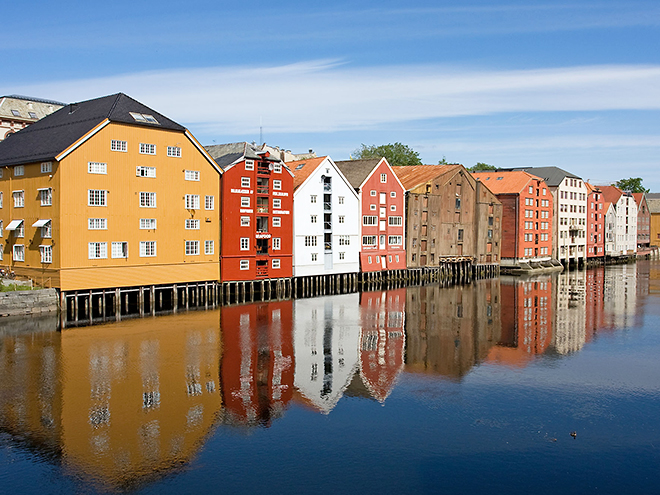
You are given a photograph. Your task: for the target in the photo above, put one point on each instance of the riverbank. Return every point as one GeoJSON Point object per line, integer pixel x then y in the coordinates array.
{"type": "Point", "coordinates": [28, 302]}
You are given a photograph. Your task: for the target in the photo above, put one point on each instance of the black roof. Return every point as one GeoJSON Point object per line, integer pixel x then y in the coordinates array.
{"type": "Point", "coordinates": [48, 137]}
{"type": "Point", "coordinates": [227, 154]}
{"type": "Point", "coordinates": [553, 176]}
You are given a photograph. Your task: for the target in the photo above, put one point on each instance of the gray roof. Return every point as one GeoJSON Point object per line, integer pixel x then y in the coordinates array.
{"type": "Point", "coordinates": [654, 204]}
{"type": "Point", "coordinates": [227, 154]}
{"type": "Point", "coordinates": [29, 109]}
{"type": "Point", "coordinates": [48, 137]}
{"type": "Point", "coordinates": [356, 171]}
{"type": "Point", "coordinates": [553, 176]}
{"type": "Point", "coordinates": [652, 196]}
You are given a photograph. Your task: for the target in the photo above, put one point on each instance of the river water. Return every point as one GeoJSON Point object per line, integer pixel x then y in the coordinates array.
{"type": "Point", "coordinates": [538, 385]}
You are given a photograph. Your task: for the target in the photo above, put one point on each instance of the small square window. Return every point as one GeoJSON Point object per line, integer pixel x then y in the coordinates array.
{"type": "Point", "coordinates": [277, 222]}
{"type": "Point", "coordinates": [245, 182]}
{"type": "Point", "coordinates": [249, 164]}
{"type": "Point", "coordinates": [245, 264]}
{"type": "Point", "coordinates": [245, 221]}
{"type": "Point", "coordinates": [46, 167]}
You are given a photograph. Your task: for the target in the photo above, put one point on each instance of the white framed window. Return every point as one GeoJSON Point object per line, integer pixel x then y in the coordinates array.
{"type": "Point", "coordinates": [19, 199]}
{"type": "Point", "coordinates": [192, 248]}
{"type": "Point", "coordinates": [393, 194]}
{"type": "Point", "coordinates": [245, 182]}
{"type": "Point", "coordinates": [19, 170]}
{"type": "Point", "coordinates": [312, 198]}
{"type": "Point", "coordinates": [342, 256]}
{"type": "Point", "coordinates": [46, 197]}
{"type": "Point", "coordinates": [46, 167]}
{"type": "Point", "coordinates": [277, 243]}
{"type": "Point", "coordinates": [191, 175]}
{"type": "Point", "coordinates": [46, 253]}
{"type": "Point", "coordinates": [383, 178]}
{"type": "Point", "coordinates": [310, 240]}
{"type": "Point", "coordinates": [341, 200]}
{"type": "Point", "coordinates": [117, 145]}
{"type": "Point", "coordinates": [368, 240]}
{"type": "Point", "coordinates": [277, 168]}
{"type": "Point", "coordinates": [373, 192]}
{"type": "Point", "coordinates": [245, 243]}
{"type": "Point", "coordinates": [209, 202]}
{"type": "Point", "coordinates": [19, 231]}
{"type": "Point", "coordinates": [394, 221]}
{"type": "Point", "coordinates": [19, 252]}
{"type": "Point", "coordinates": [147, 249]}
{"type": "Point", "coordinates": [147, 200]}
{"type": "Point", "coordinates": [97, 223]}
{"type": "Point", "coordinates": [395, 240]}
{"type": "Point", "coordinates": [119, 249]}
{"type": "Point", "coordinates": [209, 247]}
{"type": "Point", "coordinates": [315, 256]}
{"type": "Point", "coordinates": [174, 151]}
{"type": "Point", "coordinates": [342, 219]}
{"type": "Point", "coordinates": [277, 221]}
{"type": "Point", "coordinates": [97, 168]}
{"type": "Point", "coordinates": [47, 230]}
{"type": "Point", "coordinates": [1, 198]}
{"type": "Point", "coordinates": [145, 172]}
{"type": "Point", "coordinates": [369, 220]}
{"type": "Point", "coordinates": [313, 218]}
{"type": "Point", "coordinates": [249, 164]}
{"type": "Point", "coordinates": [192, 224]}
{"type": "Point", "coordinates": [245, 264]}
{"type": "Point", "coordinates": [276, 264]}
{"type": "Point", "coordinates": [192, 201]}
{"type": "Point", "coordinates": [372, 207]}
{"type": "Point", "coordinates": [392, 207]}
{"type": "Point", "coordinates": [245, 201]}
{"type": "Point", "coordinates": [344, 240]}
{"type": "Point", "coordinates": [2, 225]}
{"type": "Point", "coordinates": [97, 197]}
{"type": "Point", "coordinates": [2, 171]}
{"type": "Point", "coordinates": [147, 149]}
{"type": "Point", "coordinates": [98, 250]}
{"type": "Point", "coordinates": [245, 221]}
{"type": "Point", "coordinates": [277, 185]}
{"type": "Point", "coordinates": [147, 224]}
{"type": "Point", "coordinates": [277, 204]}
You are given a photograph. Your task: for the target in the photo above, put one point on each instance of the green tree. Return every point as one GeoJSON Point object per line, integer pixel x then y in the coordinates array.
{"type": "Point", "coordinates": [633, 185]}
{"type": "Point", "coordinates": [396, 154]}
{"type": "Point", "coordinates": [481, 167]}
{"type": "Point", "coordinates": [443, 161]}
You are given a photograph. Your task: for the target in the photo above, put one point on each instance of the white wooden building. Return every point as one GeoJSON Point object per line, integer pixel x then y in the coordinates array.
{"type": "Point", "coordinates": [620, 222]}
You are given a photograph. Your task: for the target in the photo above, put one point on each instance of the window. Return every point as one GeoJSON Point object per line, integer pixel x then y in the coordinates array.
{"type": "Point", "coordinates": [147, 223]}
{"type": "Point", "coordinates": [19, 230]}
{"type": "Point", "coordinates": [192, 202]}
{"type": "Point", "coordinates": [245, 182]}
{"type": "Point", "coordinates": [1, 199]}
{"type": "Point", "coordinates": [458, 203]}
{"type": "Point", "coordinates": [341, 200]}
{"type": "Point", "coordinates": [245, 202]}
{"type": "Point", "coordinates": [143, 117]}
{"type": "Point", "coordinates": [96, 197]}
{"type": "Point", "coordinates": [192, 248]}
{"type": "Point", "coordinates": [245, 221]}
{"type": "Point", "coordinates": [315, 256]}
{"type": "Point", "coordinates": [368, 240]}
{"type": "Point", "coordinates": [372, 207]}
{"type": "Point", "coordinates": [119, 249]}
{"type": "Point", "coordinates": [277, 168]}
{"type": "Point", "coordinates": [276, 263]}
{"type": "Point", "coordinates": [19, 252]}
{"type": "Point", "coordinates": [392, 207]}
{"type": "Point", "coordinates": [209, 202]}
{"type": "Point", "coordinates": [147, 249]}
{"type": "Point", "coordinates": [245, 243]}
{"type": "Point", "coordinates": [46, 253]}
{"type": "Point", "coordinates": [191, 175]}
{"type": "Point", "coordinates": [116, 145]}
{"type": "Point", "coordinates": [369, 220]}
{"type": "Point", "coordinates": [209, 247]}
{"type": "Point", "coordinates": [19, 199]}
{"type": "Point", "coordinates": [393, 194]}
{"type": "Point", "coordinates": [249, 164]}
{"type": "Point", "coordinates": [342, 219]}
{"type": "Point", "coordinates": [1, 232]}
{"type": "Point", "coordinates": [460, 234]}
{"type": "Point", "coordinates": [383, 178]}
{"type": "Point", "coordinates": [342, 256]}
{"type": "Point", "coordinates": [174, 151]}
{"type": "Point", "coordinates": [47, 230]}
{"type": "Point", "coordinates": [15, 113]}
{"type": "Point", "coordinates": [147, 200]}
{"type": "Point", "coordinates": [97, 168]}
{"type": "Point", "coordinates": [395, 221]}
{"type": "Point", "coordinates": [19, 170]}
{"type": "Point", "coordinates": [277, 185]}
{"type": "Point", "coordinates": [312, 198]}
{"type": "Point", "coordinates": [33, 115]}
{"type": "Point", "coordinates": [97, 223]}
{"type": "Point", "coordinates": [192, 224]}
{"type": "Point", "coordinates": [145, 171]}
{"type": "Point", "coordinates": [310, 240]}
{"type": "Point", "coordinates": [147, 149]}
{"type": "Point", "coordinates": [373, 192]}
{"type": "Point", "coordinates": [312, 218]}
{"type": "Point", "coordinates": [277, 221]}
{"type": "Point", "coordinates": [395, 240]}
{"type": "Point", "coordinates": [277, 204]}
{"type": "Point", "coordinates": [277, 243]}
{"type": "Point", "coordinates": [344, 240]}
{"type": "Point", "coordinates": [98, 250]}
{"type": "Point", "coordinates": [46, 167]}
{"type": "Point", "coordinates": [245, 264]}
{"type": "Point", "coordinates": [46, 197]}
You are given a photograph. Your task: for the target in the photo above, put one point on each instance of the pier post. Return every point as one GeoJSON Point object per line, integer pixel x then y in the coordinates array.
{"type": "Point", "coordinates": [175, 298]}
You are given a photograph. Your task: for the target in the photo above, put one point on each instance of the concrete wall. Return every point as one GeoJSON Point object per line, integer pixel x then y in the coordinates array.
{"type": "Point", "coordinates": [28, 302]}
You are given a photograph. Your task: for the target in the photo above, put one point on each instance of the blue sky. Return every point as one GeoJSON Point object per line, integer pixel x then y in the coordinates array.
{"type": "Point", "coordinates": [574, 84]}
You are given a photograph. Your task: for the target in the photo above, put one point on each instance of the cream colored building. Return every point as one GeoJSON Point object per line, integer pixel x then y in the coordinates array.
{"type": "Point", "coordinates": [18, 112]}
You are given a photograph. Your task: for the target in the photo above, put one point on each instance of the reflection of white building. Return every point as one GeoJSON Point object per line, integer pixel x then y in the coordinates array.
{"type": "Point", "coordinates": [620, 295]}
{"type": "Point", "coordinates": [326, 338]}
{"type": "Point", "coordinates": [620, 222]}
{"type": "Point", "coordinates": [570, 315]}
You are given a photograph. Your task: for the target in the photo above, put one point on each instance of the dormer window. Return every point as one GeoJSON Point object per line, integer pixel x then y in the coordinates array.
{"type": "Point", "coordinates": [143, 117]}
{"type": "Point", "coordinates": [32, 115]}
{"type": "Point", "coordinates": [16, 113]}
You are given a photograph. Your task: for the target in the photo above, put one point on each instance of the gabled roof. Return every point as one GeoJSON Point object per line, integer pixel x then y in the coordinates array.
{"type": "Point", "coordinates": [639, 197]}
{"type": "Point", "coordinates": [302, 169]}
{"type": "Point", "coordinates": [512, 182]}
{"type": "Point", "coordinates": [591, 188]}
{"type": "Point", "coordinates": [50, 136]}
{"type": "Point", "coordinates": [225, 155]}
{"type": "Point", "coordinates": [357, 171]}
{"type": "Point", "coordinates": [28, 109]}
{"type": "Point", "coordinates": [654, 204]}
{"type": "Point", "coordinates": [611, 194]}
{"type": "Point", "coordinates": [412, 176]}
{"type": "Point", "coordinates": [553, 176]}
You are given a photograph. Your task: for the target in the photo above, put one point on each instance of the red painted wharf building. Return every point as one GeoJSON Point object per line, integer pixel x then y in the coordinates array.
{"type": "Point", "coordinates": [382, 208]}
{"type": "Point", "coordinates": [257, 213]}
{"type": "Point", "coordinates": [595, 222]}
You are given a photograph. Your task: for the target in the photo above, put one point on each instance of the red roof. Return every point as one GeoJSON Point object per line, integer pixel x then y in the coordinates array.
{"type": "Point", "coordinates": [303, 168]}
{"type": "Point", "coordinates": [412, 176]}
{"type": "Point", "coordinates": [611, 194]}
{"type": "Point", "coordinates": [507, 182]}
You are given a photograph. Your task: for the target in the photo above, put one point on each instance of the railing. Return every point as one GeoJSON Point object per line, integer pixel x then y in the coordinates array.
{"type": "Point", "coordinates": [262, 271]}
{"type": "Point", "coordinates": [262, 209]}
{"type": "Point", "coordinates": [328, 246]}
{"type": "Point", "coordinates": [263, 168]}
{"type": "Point", "coordinates": [327, 225]}
{"type": "Point", "coordinates": [262, 189]}
{"type": "Point", "coordinates": [327, 206]}
{"type": "Point", "coordinates": [327, 187]}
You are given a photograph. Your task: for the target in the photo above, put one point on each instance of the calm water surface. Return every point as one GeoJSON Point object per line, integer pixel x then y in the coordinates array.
{"type": "Point", "coordinates": [456, 390]}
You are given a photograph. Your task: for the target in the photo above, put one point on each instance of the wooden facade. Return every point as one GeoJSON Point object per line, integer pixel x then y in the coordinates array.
{"type": "Point", "coordinates": [595, 223]}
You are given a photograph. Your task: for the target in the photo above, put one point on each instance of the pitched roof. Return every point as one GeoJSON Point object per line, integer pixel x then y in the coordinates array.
{"type": "Point", "coordinates": [28, 109]}
{"type": "Point", "coordinates": [654, 204]}
{"type": "Point", "coordinates": [591, 188]}
{"type": "Point", "coordinates": [356, 171]}
{"type": "Point", "coordinates": [48, 137]}
{"type": "Point", "coordinates": [228, 154]}
{"type": "Point", "coordinates": [505, 182]}
{"type": "Point", "coordinates": [302, 169]}
{"type": "Point", "coordinates": [652, 196]}
{"type": "Point", "coordinates": [638, 197]}
{"type": "Point", "coordinates": [412, 176]}
{"type": "Point", "coordinates": [611, 194]}
{"type": "Point", "coordinates": [553, 176]}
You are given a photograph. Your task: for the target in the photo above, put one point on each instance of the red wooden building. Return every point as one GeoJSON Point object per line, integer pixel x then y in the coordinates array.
{"type": "Point", "coordinates": [595, 222]}
{"type": "Point", "coordinates": [257, 213]}
{"type": "Point", "coordinates": [382, 200]}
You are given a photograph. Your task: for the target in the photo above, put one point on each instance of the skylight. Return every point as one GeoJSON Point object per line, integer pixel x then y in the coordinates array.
{"type": "Point", "coordinates": [32, 115]}
{"type": "Point", "coordinates": [16, 113]}
{"type": "Point", "coordinates": [142, 117]}
{"type": "Point", "coordinates": [300, 166]}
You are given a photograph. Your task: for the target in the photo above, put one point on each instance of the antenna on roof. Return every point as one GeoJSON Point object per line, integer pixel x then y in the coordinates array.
{"type": "Point", "coordinates": [261, 132]}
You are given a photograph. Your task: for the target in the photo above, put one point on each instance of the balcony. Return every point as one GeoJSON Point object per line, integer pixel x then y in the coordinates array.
{"type": "Point", "coordinates": [262, 186]}
{"type": "Point", "coordinates": [263, 168]}
{"type": "Point", "coordinates": [262, 224]}
{"type": "Point", "coordinates": [262, 268]}
{"type": "Point", "coordinates": [327, 206]}
{"type": "Point", "coordinates": [262, 246]}
{"type": "Point", "coordinates": [262, 205]}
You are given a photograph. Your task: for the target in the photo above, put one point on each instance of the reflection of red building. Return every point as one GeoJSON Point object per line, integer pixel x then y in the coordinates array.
{"type": "Point", "coordinates": [382, 340]}
{"type": "Point", "coordinates": [526, 321]}
{"type": "Point", "coordinates": [594, 301]}
{"type": "Point", "coordinates": [257, 367]}
{"type": "Point", "coordinates": [595, 222]}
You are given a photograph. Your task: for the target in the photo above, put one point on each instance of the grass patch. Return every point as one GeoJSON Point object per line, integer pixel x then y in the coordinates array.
{"type": "Point", "coordinates": [14, 287]}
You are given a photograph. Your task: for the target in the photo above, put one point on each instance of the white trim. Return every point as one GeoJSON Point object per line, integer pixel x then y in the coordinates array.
{"type": "Point", "coordinates": [208, 157]}
{"type": "Point", "coordinates": [40, 223]}
{"type": "Point", "coordinates": [80, 141]}
{"type": "Point", "coordinates": [14, 224]}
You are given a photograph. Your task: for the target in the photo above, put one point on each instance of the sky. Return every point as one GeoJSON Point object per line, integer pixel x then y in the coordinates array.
{"type": "Point", "coordinates": [574, 84]}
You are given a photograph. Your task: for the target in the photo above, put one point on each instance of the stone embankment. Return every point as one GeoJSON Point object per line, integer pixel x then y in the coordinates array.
{"type": "Point", "coordinates": [28, 302]}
